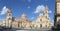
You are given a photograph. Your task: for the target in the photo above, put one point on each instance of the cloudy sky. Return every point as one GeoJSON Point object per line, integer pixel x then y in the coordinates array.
{"type": "Point", "coordinates": [31, 8]}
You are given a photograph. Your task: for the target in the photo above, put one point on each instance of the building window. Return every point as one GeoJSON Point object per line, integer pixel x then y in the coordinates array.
{"type": "Point", "coordinates": [46, 16]}
{"type": "Point", "coordinates": [40, 19]}
{"type": "Point", "coordinates": [9, 14]}
{"type": "Point", "coordinates": [46, 11]}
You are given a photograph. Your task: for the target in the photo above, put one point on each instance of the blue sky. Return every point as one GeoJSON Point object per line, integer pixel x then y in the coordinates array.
{"type": "Point", "coordinates": [29, 7]}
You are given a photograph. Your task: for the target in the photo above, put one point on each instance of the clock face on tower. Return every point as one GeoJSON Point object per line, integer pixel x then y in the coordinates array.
{"type": "Point", "coordinates": [58, 8]}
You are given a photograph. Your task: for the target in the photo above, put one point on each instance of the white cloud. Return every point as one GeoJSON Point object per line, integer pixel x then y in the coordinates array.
{"type": "Point", "coordinates": [4, 10]}
{"type": "Point", "coordinates": [40, 8]}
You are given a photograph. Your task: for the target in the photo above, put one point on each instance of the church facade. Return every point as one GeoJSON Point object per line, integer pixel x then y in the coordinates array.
{"type": "Point", "coordinates": [42, 21]}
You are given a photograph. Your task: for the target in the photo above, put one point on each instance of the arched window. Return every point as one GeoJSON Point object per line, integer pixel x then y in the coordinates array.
{"type": "Point", "coordinates": [9, 19]}
{"type": "Point", "coordinates": [40, 19]}
{"type": "Point", "coordinates": [9, 14]}
{"type": "Point", "coordinates": [46, 16]}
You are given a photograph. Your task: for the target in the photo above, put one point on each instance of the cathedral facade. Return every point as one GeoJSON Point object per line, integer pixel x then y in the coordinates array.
{"type": "Point", "coordinates": [42, 21]}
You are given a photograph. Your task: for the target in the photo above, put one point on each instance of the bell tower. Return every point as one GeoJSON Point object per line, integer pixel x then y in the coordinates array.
{"type": "Point", "coordinates": [46, 12]}
{"type": "Point", "coordinates": [57, 14]}
{"type": "Point", "coordinates": [8, 18]}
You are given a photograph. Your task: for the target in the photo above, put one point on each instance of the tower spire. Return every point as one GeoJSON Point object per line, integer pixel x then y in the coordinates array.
{"type": "Point", "coordinates": [46, 11]}
{"type": "Point", "coordinates": [8, 17]}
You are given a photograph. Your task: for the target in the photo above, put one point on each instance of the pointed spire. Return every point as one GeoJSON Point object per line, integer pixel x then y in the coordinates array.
{"type": "Point", "coordinates": [46, 7]}
{"type": "Point", "coordinates": [23, 15]}
{"type": "Point", "coordinates": [46, 11]}
{"type": "Point", "coordinates": [8, 10]}
{"type": "Point", "coordinates": [9, 13]}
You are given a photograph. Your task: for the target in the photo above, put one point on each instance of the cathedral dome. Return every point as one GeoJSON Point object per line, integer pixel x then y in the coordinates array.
{"type": "Point", "coordinates": [23, 15]}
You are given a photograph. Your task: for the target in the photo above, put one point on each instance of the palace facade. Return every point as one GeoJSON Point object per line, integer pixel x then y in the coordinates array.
{"type": "Point", "coordinates": [42, 21]}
